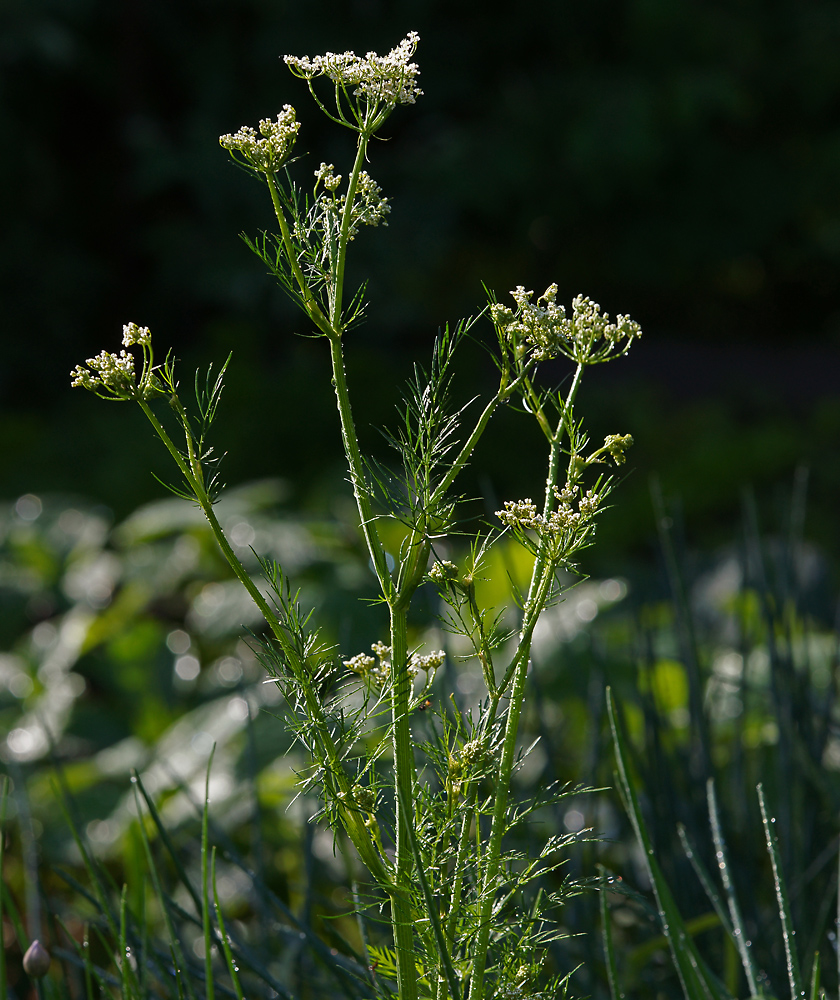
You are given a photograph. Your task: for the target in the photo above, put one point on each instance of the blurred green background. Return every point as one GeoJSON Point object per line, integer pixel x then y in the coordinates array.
{"type": "Point", "coordinates": [677, 162]}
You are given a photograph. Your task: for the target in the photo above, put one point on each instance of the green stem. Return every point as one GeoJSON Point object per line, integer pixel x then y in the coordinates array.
{"type": "Point", "coordinates": [404, 777]}
{"type": "Point", "coordinates": [506, 390]}
{"type": "Point", "coordinates": [469, 446]}
{"type": "Point", "coordinates": [344, 234]}
{"type": "Point", "coordinates": [538, 593]}
{"type": "Point", "coordinates": [457, 885]}
{"type": "Point", "coordinates": [313, 310]}
{"type": "Point", "coordinates": [353, 822]}
{"type": "Point", "coordinates": [357, 474]}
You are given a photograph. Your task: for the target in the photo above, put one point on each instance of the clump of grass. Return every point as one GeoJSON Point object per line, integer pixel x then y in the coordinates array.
{"type": "Point", "coordinates": [748, 789]}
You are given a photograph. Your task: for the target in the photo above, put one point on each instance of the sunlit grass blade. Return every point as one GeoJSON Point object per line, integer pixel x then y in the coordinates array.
{"type": "Point", "coordinates": [4, 791]}
{"type": "Point", "coordinates": [696, 981]}
{"type": "Point", "coordinates": [339, 966]}
{"type": "Point", "coordinates": [85, 953]}
{"type": "Point", "coordinates": [220, 920]}
{"type": "Point", "coordinates": [93, 872]}
{"type": "Point", "coordinates": [739, 932]}
{"type": "Point", "coordinates": [82, 960]}
{"type": "Point", "coordinates": [124, 952]}
{"type": "Point", "coordinates": [205, 900]}
{"type": "Point", "coordinates": [609, 950]}
{"type": "Point", "coordinates": [815, 977]}
{"type": "Point", "coordinates": [166, 840]}
{"type": "Point", "coordinates": [792, 961]}
{"type": "Point", "coordinates": [178, 959]}
{"type": "Point", "coordinates": [705, 879]}
{"type": "Point", "coordinates": [361, 923]}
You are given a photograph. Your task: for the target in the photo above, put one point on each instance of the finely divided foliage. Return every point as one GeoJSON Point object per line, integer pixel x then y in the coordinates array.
{"type": "Point", "coordinates": [428, 821]}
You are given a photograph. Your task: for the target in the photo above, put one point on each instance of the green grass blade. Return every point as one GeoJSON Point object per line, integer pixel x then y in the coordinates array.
{"type": "Point", "coordinates": [794, 976]}
{"type": "Point", "coordinates": [124, 952]}
{"type": "Point", "coordinates": [220, 920]}
{"type": "Point", "coordinates": [4, 791]}
{"type": "Point", "coordinates": [11, 911]}
{"type": "Point", "coordinates": [209, 992]}
{"type": "Point", "coordinates": [739, 933]}
{"type": "Point", "coordinates": [609, 950]}
{"type": "Point", "coordinates": [178, 959]}
{"type": "Point", "coordinates": [815, 977]}
{"type": "Point", "coordinates": [705, 879]}
{"type": "Point", "coordinates": [339, 966]}
{"type": "Point", "coordinates": [85, 953]}
{"type": "Point", "coordinates": [696, 981]}
{"type": "Point", "coordinates": [166, 840]}
{"type": "Point", "coordinates": [93, 871]}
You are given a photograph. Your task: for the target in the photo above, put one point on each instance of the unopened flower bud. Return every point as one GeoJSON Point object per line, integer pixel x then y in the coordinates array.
{"type": "Point", "coordinates": [365, 798]}
{"type": "Point", "coordinates": [36, 961]}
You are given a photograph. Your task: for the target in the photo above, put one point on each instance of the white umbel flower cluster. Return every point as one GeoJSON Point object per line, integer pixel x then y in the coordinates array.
{"type": "Point", "coordinates": [369, 205]}
{"type": "Point", "coordinates": [367, 666]}
{"type": "Point", "coordinates": [268, 151]}
{"type": "Point", "coordinates": [572, 514]}
{"type": "Point", "coordinates": [134, 334]}
{"type": "Point", "coordinates": [369, 208]}
{"type": "Point", "coordinates": [388, 80]}
{"type": "Point", "coordinates": [113, 373]}
{"type": "Point", "coordinates": [542, 329]}
{"type": "Point", "coordinates": [113, 376]}
{"type": "Point", "coordinates": [325, 174]}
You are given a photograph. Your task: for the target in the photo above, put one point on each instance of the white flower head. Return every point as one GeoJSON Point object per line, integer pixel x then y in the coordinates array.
{"type": "Point", "coordinates": [134, 334]}
{"type": "Point", "coordinates": [113, 373]}
{"type": "Point", "coordinates": [542, 330]}
{"type": "Point", "coordinates": [566, 528]}
{"type": "Point", "coordinates": [428, 662]}
{"type": "Point", "coordinates": [113, 376]}
{"type": "Point", "coordinates": [268, 151]}
{"type": "Point", "coordinates": [325, 174]}
{"type": "Point", "coordinates": [381, 82]}
{"type": "Point", "coordinates": [539, 327]}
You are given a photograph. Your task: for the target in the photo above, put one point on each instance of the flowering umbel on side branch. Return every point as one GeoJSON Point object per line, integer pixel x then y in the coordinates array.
{"type": "Point", "coordinates": [542, 330]}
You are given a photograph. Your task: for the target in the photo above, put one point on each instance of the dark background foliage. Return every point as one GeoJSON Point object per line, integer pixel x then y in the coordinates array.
{"type": "Point", "coordinates": [677, 162]}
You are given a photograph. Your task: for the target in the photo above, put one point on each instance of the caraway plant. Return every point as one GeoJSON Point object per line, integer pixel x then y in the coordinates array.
{"type": "Point", "coordinates": [447, 906]}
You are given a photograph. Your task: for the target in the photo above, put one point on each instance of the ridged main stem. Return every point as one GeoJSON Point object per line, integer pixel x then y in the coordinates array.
{"type": "Point", "coordinates": [401, 912]}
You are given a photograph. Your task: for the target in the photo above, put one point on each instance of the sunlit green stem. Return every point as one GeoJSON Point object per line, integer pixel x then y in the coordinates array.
{"type": "Point", "coordinates": [312, 308]}
{"type": "Point", "coordinates": [344, 235]}
{"type": "Point", "coordinates": [193, 475]}
{"type": "Point", "coordinates": [506, 389]}
{"type": "Point", "coordinates": [461, 860]}
{"type": "Point", "coordinates": [538, 593]}
{"type": "Point", "coordinates": [404, 777]}
{"type": "Point", "coordinates": [357, 472]}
